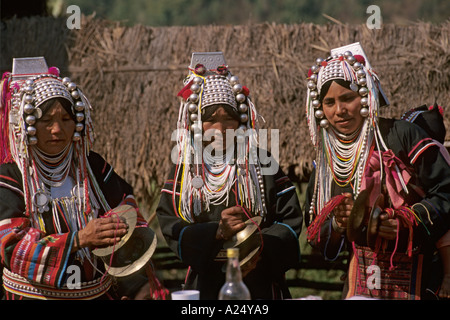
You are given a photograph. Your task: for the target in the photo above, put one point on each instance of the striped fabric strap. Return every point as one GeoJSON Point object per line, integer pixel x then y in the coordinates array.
{"type": "Point", "coordinates": [19, 285]}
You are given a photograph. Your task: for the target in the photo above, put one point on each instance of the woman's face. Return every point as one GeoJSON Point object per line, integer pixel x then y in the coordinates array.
{"type": "Point", "coordinates": [341, 107]}
{"type": "Point", "coordinates": [216, 126]}
{"type": "Point", "coordinates": [54, 130]}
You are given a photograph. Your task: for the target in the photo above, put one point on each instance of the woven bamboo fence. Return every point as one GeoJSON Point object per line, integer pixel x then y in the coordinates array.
{"type": "Point", "coordinates": [132, 75]}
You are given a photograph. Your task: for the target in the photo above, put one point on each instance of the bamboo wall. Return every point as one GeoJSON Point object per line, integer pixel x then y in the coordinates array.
{"type": "Point", "coordinates": [131, 75]}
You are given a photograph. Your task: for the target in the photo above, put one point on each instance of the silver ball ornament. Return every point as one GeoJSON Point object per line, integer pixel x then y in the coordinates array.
{"type": "Point", "coordinates": [71, 86]}
{"type": "Point", "coordinates": [319, 61]}
{"type": "Point", "coordinates": [79, 106]}
{"type": "Point", "coordinates": [75, 94]}
{"type": "Point", "coordinates": [348, 54]}
{"type": "Point", "coordinates": [76, 136]}
{"type": "Point", "coordinates": [362, 81]}
{"type": "Point", "coordinates": [315, 69]}
{"type": "Point", "coordinates": [29, 82]}
{"type": "Point", "coordinates": [193, 98]}
{"type": "Point", "coordinates": [195, 88]}
{"type": "Point", "coordinates": [31, 131]}
{"type": "Point", "coordinates": [243, 117]}
{"type": "Point", "coordinates": [192, 107]}
{"type": "Point", "coordinates": [313, 94]}
{"type": "Point", "coordinates": [364, 112]}
{"type": "Point", "coordinates": [311, 85]}
{"type": "Point", "coordinates": [316, 103]}
{"type": "Point", "coordinates": [240, 98]}
{"type": "Point", "coordinates": [364, 101]}
{"type": "Point", "coordinates": [30, 120]}
{"type": "Point", "coordinates": [319, 114]}
{"type": "Point", "coordinates": [79, 127]}
{"type": "Point", "coordinates": [351, 60]}
{"type": "Point", "coordinates": [243, 108]}
{"type": "Point", "coordinates": [237, 88]}
{"type": "Point", "coordinates": [32, 140]}
{"type": "Point", "coordinates": [28, 108]}
{"type": "Point", "coordinates": [28, 89]}
{"type": "Point", "coordinates": [193, 117]}
{"type": "Point", "coordinates": [234, 80]}
{"type": "Point", "coordinates": [360, 73]}
{"type": "Point", "coordinates": [28, 98]}
{"type": "Point", "coordinates": [79, 116]}
{"type": "Point", "coordinates": [363, 91]}
{"type": "Point", "coordinates": [198, 80]}
{"type": "Point", "coordinates": [324, 123]}
{"type": "Point", "coordinates": [66, 80]}
{"type": "Point", "coordinates": [357, 65]}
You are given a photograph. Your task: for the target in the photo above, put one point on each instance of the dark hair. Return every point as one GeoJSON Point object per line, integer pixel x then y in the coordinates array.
{"type": "Point", "coordinates": [67, 105]}
{"type": "Point", "coordinates": [326, 87]}
{"type": "Point", "coordinates": [209, 111]}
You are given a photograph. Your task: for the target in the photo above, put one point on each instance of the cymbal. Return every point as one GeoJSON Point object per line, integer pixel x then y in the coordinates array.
{"type": "Point", "coordinates": [374, 221]}
{"type": "Point", "coordinates": [251, 226]}
{"type": "Point", "coordinates": [130, 215]}
{"type": "Point", "coordinates": [249, 256]}
{"type": "Point", "coordinates": [134, 254]}
{"type": "Point", "coordinates": [355, 225]}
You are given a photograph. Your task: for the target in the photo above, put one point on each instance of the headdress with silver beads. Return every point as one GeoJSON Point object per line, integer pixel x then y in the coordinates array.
{"type": "Point", "coordinates": [23, 91]}
{"type": "Point", "coordinates": [348, 63]}
{"type": "Point", "coordinates": [30, 84]}
{"type": "Point", "coordinates": [209, 83]}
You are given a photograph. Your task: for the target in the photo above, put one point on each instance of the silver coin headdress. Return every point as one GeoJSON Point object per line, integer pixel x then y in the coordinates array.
{"type": "Point", "coordinates": [24, 90]}
{"type": "Point", "coordinates": [347, 63]}
{"type": "Point", "coordinates": [210, 83]}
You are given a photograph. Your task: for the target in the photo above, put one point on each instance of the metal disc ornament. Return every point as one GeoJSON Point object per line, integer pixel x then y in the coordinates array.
{"type": "Point", "coordinates": [41, 200]}
{"type": "Point", "coordinates": [197, 182]}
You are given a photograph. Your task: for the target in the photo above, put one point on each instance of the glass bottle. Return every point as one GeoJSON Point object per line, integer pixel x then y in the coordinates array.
{"type": "Point", "coordinates": [234, 288]}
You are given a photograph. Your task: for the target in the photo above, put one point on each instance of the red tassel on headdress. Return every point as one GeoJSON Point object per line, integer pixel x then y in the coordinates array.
{"type": "Point", "coordinates": [245, 91]}
{"type": "Point", "coordinates": [186, 91]}
{"type": "Point", "coordinates": [5, 105]}
{"type": "Point", "coordinates": [54, 71]}
{"type": "Point", "coordinates": [360, 59]}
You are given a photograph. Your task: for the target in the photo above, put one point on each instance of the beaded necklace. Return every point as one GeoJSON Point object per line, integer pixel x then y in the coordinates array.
{"type": "Point", "coordinates": [342, 161]}
{"type": "Point", "coordinates": [219, 177]}
{"type": "Point", "coordinates": [53, 170]}
{"type": "Point", "coordinates": [344, 153]}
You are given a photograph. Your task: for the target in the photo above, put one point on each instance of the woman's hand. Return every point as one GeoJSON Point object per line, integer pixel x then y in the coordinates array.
{"type": "Point", "coordinates": [343, 210]}
{"type": "Point", "coordinates": [388, 227]}
{"type": "Point", "coordinates": [101, 232]}
{"type": "Point", "coordinates": [230, 223]}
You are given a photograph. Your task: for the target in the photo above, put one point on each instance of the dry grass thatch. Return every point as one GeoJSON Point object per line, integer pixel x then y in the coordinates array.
{"type": "Point", "coordinates": [132, 75]}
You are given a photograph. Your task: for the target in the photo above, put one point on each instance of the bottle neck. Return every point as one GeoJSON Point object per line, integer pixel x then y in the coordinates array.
{"type": "Point", "coordinates": [233, 270]}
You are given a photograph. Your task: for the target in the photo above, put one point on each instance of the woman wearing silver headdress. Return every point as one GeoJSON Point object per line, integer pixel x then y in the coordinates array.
{"type": "Point", "coordinates": [218, 187]}
{"type": "Point", "coordinates": [58, 199]}
{"type": "Point", "coordinates": [380, 187]}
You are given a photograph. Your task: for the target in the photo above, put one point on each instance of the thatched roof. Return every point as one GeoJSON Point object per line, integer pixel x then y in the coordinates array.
{"type": "Point", "coordinates": [132, 75]}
